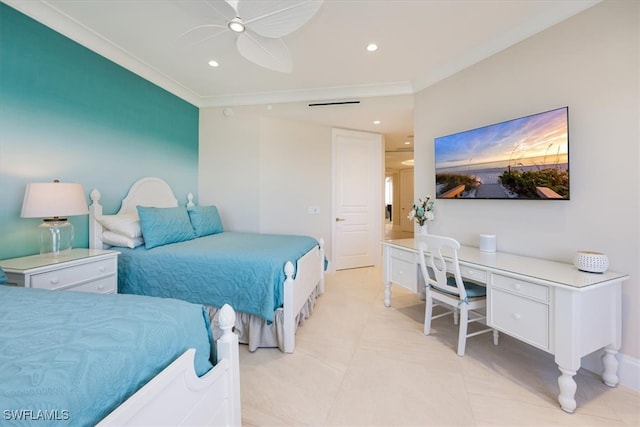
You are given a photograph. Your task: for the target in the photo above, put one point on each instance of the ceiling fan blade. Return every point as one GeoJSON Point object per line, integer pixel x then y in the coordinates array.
{"type": "Point", "coordinates": [277, 18]}
{"type": "Point", "coordinates": [201, 34]}
{"type": "Point", "coordinates": [266, 52]}
{"type": "Point", "coordinates": [212, 17]}
{"type": "Point", "coordinates": [224, 9]}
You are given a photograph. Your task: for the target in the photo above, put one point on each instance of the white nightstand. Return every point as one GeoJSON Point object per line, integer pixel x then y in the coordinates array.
{"type": "Point", "coordinates": [87, 270]}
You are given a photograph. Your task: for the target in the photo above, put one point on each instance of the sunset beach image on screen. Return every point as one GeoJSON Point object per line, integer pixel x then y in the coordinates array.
{"type": "Point", "coordinates": [523, 158]}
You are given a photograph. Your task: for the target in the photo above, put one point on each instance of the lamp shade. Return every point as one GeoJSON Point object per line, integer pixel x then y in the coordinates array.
{"type": "Point", "coordinates": [53, 199]}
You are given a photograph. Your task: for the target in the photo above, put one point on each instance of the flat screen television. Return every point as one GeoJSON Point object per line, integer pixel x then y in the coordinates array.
{"type": "Point", "coordinates": [524, 158]}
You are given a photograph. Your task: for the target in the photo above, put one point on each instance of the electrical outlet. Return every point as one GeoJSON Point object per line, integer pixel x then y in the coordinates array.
{"type": "Point", "coordinates": [313, 210]}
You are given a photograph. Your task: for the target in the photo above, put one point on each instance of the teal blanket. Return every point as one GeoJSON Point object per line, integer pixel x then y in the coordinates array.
{"type": "Point", "coordinates": [244, 270]}
{"type": "Point", "coordinates": [70, 358]}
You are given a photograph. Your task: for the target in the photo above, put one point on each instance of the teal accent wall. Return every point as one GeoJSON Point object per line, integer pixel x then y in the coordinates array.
{"type": "Point", "coordinates": [67, 113]}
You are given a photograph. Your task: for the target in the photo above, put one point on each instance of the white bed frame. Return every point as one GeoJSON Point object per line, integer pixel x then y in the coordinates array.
{"type": "Point", "coordinates": [155, 192]}
{"type": "Point", "coordinates": [177, 397]}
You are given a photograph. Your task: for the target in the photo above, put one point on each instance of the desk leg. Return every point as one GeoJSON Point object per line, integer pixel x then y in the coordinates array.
{"type": "Point", "coordinates": [386, 274]}
{"type": "Point", "coordinates": [567, 390]}
{"type": "Point", "coordinates": [610, 365]}
{"type": "Point", "coordinates": [387, 294]}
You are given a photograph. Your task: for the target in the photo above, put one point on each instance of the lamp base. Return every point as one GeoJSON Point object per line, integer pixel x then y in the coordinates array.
{"type": "Point", "coordinates": [56, 236]}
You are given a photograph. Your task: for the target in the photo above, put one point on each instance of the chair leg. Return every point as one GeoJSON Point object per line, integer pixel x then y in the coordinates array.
{"type": "Point", "coordinates": [462, 333]}
{"type": "Point", "coordinates": [456, 320]}
{"type": "Point", "coordinates": [496, 337]}
{"type": "Point", "coordinates": [428, 312]}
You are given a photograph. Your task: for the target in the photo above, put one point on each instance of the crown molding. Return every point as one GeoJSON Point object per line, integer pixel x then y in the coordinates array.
{"type": "Point", "coordinates": [45, 13]}
{"type": "Point", "coordinates": [48, 15]}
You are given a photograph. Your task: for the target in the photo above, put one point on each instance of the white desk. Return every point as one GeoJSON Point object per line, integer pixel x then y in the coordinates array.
{"type": "Point", "coordinates": [547, 304]}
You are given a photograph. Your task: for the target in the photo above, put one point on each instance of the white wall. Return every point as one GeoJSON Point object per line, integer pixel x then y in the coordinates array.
{"type": "Point", "coordinates": [590, 63]}
{"type": "Point", "coordinates": [229, 166]}
{"type": "Point", "coordinates": [295, 173]}
{"type": "Point", "coordinates": [264, 173]}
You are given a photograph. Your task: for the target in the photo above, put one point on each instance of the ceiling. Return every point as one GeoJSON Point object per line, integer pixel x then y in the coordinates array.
{"type": "Point", "coordinates": [420, 42]}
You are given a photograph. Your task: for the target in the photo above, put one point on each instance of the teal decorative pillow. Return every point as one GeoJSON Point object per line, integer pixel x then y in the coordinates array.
{"type": "Point", "coordinates": [205, 220]}
{"type": "Point", "coordinates": [161, 226]}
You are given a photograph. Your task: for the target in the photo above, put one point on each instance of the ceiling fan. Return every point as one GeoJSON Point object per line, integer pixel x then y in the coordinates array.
{"type": "Point", "coordinates": [258, 26]}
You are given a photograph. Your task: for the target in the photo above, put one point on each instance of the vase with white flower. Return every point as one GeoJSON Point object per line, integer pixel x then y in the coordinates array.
{"type": "Point", "coordinates": [422, 212]}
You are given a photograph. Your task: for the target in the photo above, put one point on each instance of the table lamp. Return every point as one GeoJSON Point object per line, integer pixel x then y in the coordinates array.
{"type": "Point", "coordinates": [54, 201]}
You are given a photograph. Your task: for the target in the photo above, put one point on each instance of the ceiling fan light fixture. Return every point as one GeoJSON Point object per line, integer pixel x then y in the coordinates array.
{"type": "Point", "coordinates": [236, 25]}
{"type": "Point", "coordinates": [259, 39]}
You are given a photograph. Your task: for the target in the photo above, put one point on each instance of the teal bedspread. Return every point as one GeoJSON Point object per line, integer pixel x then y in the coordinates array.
{"type": "Point", "coordinates": [70, 358]}
{"type": "Point", "coordinates": [244, 270]}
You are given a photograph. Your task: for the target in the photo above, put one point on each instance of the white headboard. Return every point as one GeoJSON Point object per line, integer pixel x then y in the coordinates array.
{"type": "Point", "coordinates": [148, 191]}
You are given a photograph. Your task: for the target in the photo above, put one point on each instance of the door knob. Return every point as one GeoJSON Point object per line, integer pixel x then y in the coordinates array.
{"type": "Point", "coordinates": [340, 219]}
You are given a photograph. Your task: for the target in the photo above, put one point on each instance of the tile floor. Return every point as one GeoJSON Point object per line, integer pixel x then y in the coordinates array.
{"type": "Point", "coordinates": [358, 363]}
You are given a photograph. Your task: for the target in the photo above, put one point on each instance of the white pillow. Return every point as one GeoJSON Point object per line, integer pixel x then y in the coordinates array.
{"type": "Point", "coordinates": [115, 239]}
{"type": "Point", "coordinates": [125, 224]}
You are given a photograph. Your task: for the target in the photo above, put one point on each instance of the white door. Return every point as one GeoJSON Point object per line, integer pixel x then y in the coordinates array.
{"type": "Point", "coordinates": [357, 198]}
{"type": "Point", "coordinates": [406, 199]}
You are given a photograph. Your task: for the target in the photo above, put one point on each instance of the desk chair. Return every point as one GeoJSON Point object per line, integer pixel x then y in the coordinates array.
{"type": "Point", "coordinates": [443, 283]}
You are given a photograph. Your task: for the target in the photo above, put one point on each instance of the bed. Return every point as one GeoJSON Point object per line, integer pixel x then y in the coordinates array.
{"type": "Point", "coordinates": [272, 281]}
{"type": "Point", "coordinates": [84, 359]}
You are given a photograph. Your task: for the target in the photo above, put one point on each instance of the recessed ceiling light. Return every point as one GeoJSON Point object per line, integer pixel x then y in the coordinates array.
{"type": "Point", "coordinates": [372, 47]}
{"type": "Point", "coordinates": [407, 143]}
{"type": "Point", "coordinates": [376, 122]}
{"type": "Point", "coordinates": [214, 63]}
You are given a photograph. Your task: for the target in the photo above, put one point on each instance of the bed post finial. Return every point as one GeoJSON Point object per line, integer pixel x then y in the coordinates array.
{"type": "Point", "coordinates": [95, 195]}
{"type": "Point", "coordinates": [289, 270]}
{"type": "Point", "coordinates": [226, 319]}
{"type": "Point", "coordinates": [95, 228]}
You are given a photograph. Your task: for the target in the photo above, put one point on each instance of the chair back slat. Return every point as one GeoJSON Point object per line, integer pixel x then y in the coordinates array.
{"type": "Point", "coordinates": [431, 251]}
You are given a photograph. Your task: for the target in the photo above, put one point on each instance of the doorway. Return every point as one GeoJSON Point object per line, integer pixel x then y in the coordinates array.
{"type": "Point", "coordinates": [357, 198]}
{"type": "Point", "coordinates": [399, 189]}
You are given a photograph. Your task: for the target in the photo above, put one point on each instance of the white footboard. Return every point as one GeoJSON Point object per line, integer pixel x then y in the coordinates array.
{"type": "Point", "coordinates": [309, 275]}
{"type": "Point", "coordinates": [177, 397]}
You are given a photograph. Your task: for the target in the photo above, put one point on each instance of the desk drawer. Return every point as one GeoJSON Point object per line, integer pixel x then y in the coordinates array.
{"type": "Point", "coordinates": [470, 273]}
{"type": "Point", "coordinates": [474, 274]}
{"type": "Point", "coordinates": [76, 275]}
{"type": "Point", "coordinates": [404, 273]}
{"type": "Point", "coordinates": [520, 287]}
{"type": "Point", "coordinates": [520, 317]}
{"type": "Point", "coordinates": [406, 256]}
